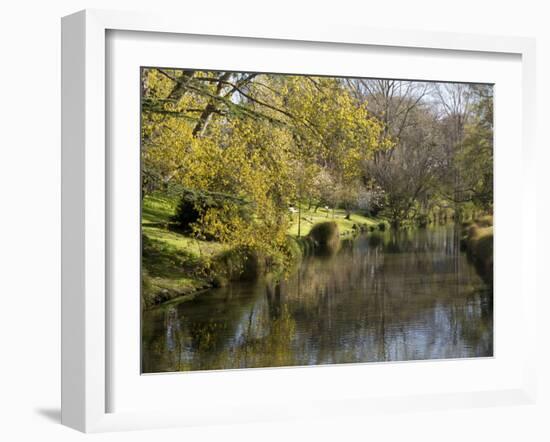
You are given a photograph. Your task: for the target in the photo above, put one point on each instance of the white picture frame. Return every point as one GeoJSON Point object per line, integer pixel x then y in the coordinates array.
{"type": "Point", "coordinates": [86, 315]}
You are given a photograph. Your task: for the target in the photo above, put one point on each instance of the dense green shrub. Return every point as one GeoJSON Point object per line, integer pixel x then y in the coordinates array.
{"type": "Point", "coordinates": [326, 237]}
{"type": "Point", "coordinates": [194, 203]}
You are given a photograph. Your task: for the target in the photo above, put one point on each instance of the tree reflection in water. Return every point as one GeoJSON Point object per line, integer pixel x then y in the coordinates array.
{"type": "Point", "coordinates": [390, 296]}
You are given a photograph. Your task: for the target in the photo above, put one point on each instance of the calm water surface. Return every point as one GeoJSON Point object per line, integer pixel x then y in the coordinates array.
{"type": "Point", "coordinates": [389, 296]}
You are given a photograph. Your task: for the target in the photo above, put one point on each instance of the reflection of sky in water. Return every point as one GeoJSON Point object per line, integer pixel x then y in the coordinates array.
{"type": "Point", "coordinates": [407, 296]}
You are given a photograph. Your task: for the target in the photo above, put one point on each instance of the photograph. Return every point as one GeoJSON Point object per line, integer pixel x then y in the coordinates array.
{"type": "Point", "coordinates": [259, 223]}
{"type": "Point", "coordinates": [304, 219]}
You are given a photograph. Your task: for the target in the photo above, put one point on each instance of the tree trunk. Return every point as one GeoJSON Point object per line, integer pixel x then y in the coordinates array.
{"type": "Point", "coordinates": [210, 108]}
{"type": "Point", "coordinates": [299, 219]}
{"type": "Point", "coordinates": [177, 93]}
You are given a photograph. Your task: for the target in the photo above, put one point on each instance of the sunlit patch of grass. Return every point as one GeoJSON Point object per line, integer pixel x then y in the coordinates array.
{"type": "Point", "coordinates": [171, 261]}
{"type": "Point", "coordinates": [179, 241]}
{"type": "Point", "coordinates": [173, 264]}
{"type": "Point", "coordinates": [158, 208]}
{"type": "Point", "coordinates": [309, 218]}
{"type": "Point", "coordinates": [168, 271]}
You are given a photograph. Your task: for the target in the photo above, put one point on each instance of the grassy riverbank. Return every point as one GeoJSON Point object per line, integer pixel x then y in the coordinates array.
{"type": "Point", "coordinates": [176, 265]}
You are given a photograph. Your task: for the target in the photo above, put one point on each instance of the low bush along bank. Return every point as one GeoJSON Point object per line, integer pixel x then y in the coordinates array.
{"type": "Point", "coordinates": [477, 240]}
{"type": "Point", "coordinates": [326, 237]}
{"type": "Point", "coordinates": [176, 265]}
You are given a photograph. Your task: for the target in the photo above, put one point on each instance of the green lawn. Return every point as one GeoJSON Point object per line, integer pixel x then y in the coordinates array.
{"type": "Point", "coordinates": [172, 260]}
{"type": "Point", "coordinates": [179, 241]}
{"type": "Point", "coordinates": [309, 218]}
{"type": "Point", "coordinates": [158, 209]}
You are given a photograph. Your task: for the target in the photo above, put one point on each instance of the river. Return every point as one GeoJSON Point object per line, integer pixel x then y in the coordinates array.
{"type": "Point", "coordinates": [385, 296]}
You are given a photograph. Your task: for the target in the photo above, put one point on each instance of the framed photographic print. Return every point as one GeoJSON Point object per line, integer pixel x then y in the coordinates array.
{"type": "Point", "coordinates": [277, 223]}
{"type": "Point", "coordinates": [306, 220]}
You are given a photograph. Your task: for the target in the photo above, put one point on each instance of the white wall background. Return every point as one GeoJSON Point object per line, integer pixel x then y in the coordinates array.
{"type": "Point", "coordinates": [30, 215]}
